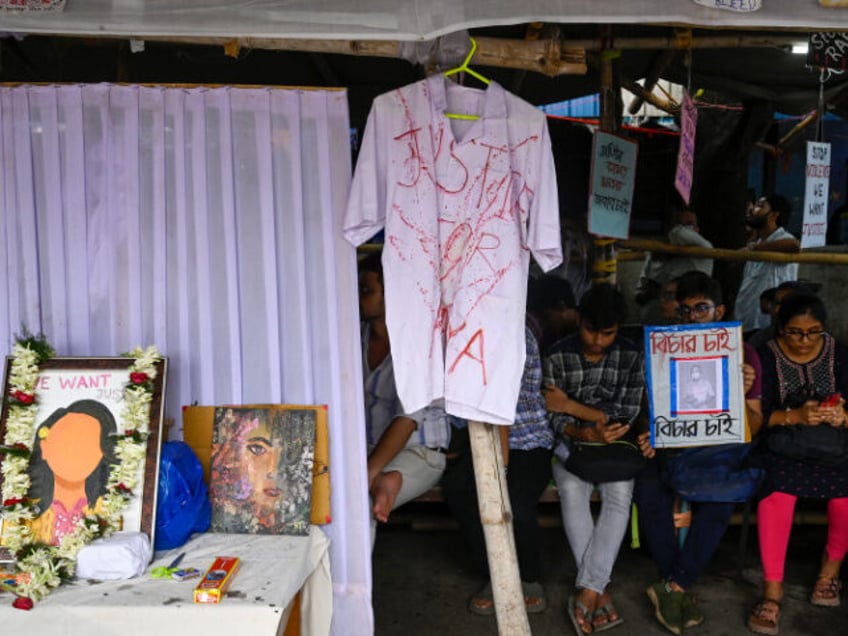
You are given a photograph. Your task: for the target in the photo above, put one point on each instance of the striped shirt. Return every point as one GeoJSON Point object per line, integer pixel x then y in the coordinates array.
{"type": "Point", "coordinates": [531, 429]}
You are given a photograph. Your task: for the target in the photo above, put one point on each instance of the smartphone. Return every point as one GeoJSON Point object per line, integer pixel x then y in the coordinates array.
{"type": "Point", "coordinates": [831, 400]}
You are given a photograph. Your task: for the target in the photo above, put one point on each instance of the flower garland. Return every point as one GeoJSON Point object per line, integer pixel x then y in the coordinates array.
{"type": "Point", "coordinates": [42, 567]}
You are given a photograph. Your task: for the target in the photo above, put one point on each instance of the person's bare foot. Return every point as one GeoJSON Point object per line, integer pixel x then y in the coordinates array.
{"type": "Point", "coordinates": [384, 491]}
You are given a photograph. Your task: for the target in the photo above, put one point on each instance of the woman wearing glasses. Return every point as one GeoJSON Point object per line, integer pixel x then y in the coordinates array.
{"type": "Point", "coordinates": [805, 372]}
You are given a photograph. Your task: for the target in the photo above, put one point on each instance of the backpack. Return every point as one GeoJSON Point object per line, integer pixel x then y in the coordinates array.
{"type": "Point", "coordinates": [712, 473]}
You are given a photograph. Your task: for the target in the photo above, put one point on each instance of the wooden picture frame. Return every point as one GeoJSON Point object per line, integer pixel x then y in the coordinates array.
{"type": "Point", "coordinates": [63, 381]}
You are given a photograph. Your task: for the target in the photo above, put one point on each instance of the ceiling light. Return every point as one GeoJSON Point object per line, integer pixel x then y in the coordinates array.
{"type": "Point", "coordinates": [800, 48]}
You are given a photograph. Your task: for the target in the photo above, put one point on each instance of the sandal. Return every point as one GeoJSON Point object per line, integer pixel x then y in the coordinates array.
{"type": "Point", "coordinates": [483, 602]}
{"type": "Point", "coordinates": [582, 625]}
{"type": "Point", "coordinates": [765, 617]}
{"type": "Point", "coordinates": [534, 597]}
{"type": "Point", "coordinates": [606, 617]}
{"type": "Point", "coordinates": [826, 592]}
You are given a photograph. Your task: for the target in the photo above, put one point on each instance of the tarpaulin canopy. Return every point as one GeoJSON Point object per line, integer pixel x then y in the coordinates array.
{"type": "Point", "coordinates": [397, 19]}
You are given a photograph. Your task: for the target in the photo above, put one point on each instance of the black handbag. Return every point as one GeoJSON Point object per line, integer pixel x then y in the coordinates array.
{"type": "Point", "coordinates": [824, 445]}
{"type": "Point", "coordinates": [598, 462]}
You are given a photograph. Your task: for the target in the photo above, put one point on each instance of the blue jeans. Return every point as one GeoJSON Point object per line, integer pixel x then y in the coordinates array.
{"type": "Point", "coordinates": [595, 545]}
{"type": "Point", "coordinates": [655, 500]}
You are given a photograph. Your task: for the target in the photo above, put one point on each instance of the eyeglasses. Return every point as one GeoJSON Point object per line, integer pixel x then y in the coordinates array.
{"type": "Point", "coordinates": [698, 311]}
{"type": "Point", "coordinates": [797, 335]}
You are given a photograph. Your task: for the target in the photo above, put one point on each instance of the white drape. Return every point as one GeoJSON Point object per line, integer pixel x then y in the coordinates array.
{"type": "Point", "coordinates": [207, 222]}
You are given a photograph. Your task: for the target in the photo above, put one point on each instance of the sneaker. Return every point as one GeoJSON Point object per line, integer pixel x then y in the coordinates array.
{"type": "Point", "coordinates": [668, 606]}
{"type": "Point", "coordinates": [692, 616]}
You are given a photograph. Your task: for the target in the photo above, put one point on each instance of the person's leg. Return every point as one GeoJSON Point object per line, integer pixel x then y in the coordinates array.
{"type": "Point", "coordinates": [460, 492]}
{"type": "Point", "coordinates": [774, 525]}
{"type": "Point", "coordinates": [528, 475]}
{"type": "Point", "coordinates": [655, 502]}
{"type": "Point", "coordinates": [602, 551]}
{"type": "Point", "coordinates": [826, 590]}
{"type": "Point", "coordinates": [709, 523]}
{"type": "Point", "coordinates": [575, 507]}
{"type": "Point", "coordinates": [411, 473]}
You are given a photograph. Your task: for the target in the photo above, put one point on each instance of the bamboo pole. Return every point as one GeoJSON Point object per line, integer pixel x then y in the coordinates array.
{"type": "Point", "coordinates": [604, 264]}
{"type": "Point", "coordinates": [548, 56]}
{"type": "Point", "coordinates": [660, 64]}
{"type": "Point", "coordinates": [831, 258]}
{"type": "Point", "coordinates": [496, 517]}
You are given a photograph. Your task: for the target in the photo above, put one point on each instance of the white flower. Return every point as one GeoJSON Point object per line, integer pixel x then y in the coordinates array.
{"type": "Point", "coordinates": [46, 566]}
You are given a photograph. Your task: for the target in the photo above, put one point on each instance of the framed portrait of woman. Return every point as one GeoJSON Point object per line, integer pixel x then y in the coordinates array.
{"type": "Point", "coordinates": [79, 419]}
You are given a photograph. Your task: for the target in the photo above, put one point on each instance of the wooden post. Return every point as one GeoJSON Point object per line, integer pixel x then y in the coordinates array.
{"type": "Point", "coordinates": [604, 263]}
{"type": "Point", "coordinates": [496, 517]}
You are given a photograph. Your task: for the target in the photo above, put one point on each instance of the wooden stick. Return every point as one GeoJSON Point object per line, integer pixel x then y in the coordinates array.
{"type": "Point", "coordinates": [547, 56]}
{"type": "Point", "coordinates": [735, 255]}
{"type": "Point", "coordinates": [496, 517]}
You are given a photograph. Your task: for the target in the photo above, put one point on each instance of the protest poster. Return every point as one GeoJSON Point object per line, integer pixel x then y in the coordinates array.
{"type": "Point", "coordinates": [695, 386]}
{"type": "Point", "coordinates": [611, 185]}
{"type": "Point", "coordinates": [686, 152]}
{"type": "Point", "coordinates": [816, 188]}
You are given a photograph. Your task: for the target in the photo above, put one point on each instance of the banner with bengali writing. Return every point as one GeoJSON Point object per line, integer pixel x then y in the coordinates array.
{"type": "Point", "coordinates": [695, 387]}
{"type": "Point", "coordinates": [611, 185]}
{"type": "Point", "coordinates": [686, 151]}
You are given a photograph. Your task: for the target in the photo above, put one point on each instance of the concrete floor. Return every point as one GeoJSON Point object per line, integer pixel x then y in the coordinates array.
{"type": "Point", "coordinates": [422, 584]}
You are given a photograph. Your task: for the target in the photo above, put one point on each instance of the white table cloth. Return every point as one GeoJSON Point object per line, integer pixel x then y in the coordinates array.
{"type": "Point", "coordinates": [273, 570]}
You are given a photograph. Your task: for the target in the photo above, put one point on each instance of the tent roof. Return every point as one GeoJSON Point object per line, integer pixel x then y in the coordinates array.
{"type": "Point", "coordinates": [769, 74]}
{"type": "Point", "coordinates": [395, 20]}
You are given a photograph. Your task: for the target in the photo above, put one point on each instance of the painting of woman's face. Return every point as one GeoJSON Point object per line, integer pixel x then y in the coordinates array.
{"type": "Point", "coordinates": [261, 470]}
{"type": "Point", "coordinates": [262, 463]}
{"type": "Point", "coordinates": [72, 447]}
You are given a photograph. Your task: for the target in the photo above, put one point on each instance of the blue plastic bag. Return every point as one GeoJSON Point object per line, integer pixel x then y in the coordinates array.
{"type": "Point", "coordinates": [182, 506]}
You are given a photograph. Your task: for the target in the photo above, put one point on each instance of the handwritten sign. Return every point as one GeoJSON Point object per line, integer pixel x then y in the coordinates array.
{"type": "Point", "coordinates": [828, 50]}
{"type": "Point", "coordinates": [816, 186]}
{"type": "Point", "coordinates": [695, 386]}
{"type": "Point", "coordinates": [686, 152]}
{"type": "Point", "coordinates": [740, 6]}
{"type": "Point", "coordinates": [611, 186]}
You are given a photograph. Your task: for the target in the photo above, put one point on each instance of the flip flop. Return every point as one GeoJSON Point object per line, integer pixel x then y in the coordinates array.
{"type": "Point", "coordinates": [606, 610]}
{"type": "Point", "coordinates": [534, 597]}
{"type": "Point", "coordinates": [483, 602]}
{"type": "Point", "coordinates": [575, 604]}
{"type": "Point", "coordinates": [826, 592]}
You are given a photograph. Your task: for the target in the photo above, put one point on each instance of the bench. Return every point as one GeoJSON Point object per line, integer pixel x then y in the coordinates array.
{"type": "Point", "coordinates": [805, 512]}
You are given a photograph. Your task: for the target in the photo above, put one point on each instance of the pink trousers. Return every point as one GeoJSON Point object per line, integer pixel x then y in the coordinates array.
{"type": "Point", "coordinates": [774, 524]}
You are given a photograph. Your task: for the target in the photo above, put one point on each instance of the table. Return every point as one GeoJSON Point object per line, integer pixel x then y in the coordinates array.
{"type": "Point", "coordinates": [273, 570]}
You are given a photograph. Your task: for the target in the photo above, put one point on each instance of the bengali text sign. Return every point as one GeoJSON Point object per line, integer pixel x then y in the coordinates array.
{"type": "Point", "coordinates": [686, 152]}
{"type": "Point", "coordinates": [695, 384]}
{"type": "Point", "coordinates": [611, 187]}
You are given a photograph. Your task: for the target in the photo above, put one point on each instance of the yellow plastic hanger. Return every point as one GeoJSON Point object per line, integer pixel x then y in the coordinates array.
{"type": "Point", "coordinates": [464, 68]}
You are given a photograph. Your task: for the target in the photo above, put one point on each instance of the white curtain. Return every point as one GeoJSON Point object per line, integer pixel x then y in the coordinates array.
{"type": "Point", "coordinates": [207, 222]}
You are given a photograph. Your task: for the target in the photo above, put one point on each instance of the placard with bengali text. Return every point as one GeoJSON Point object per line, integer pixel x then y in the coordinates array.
{"type": "Point", "coordinates": [611, 185]}
{"type": "Point", "coordinates": [695, 386]}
